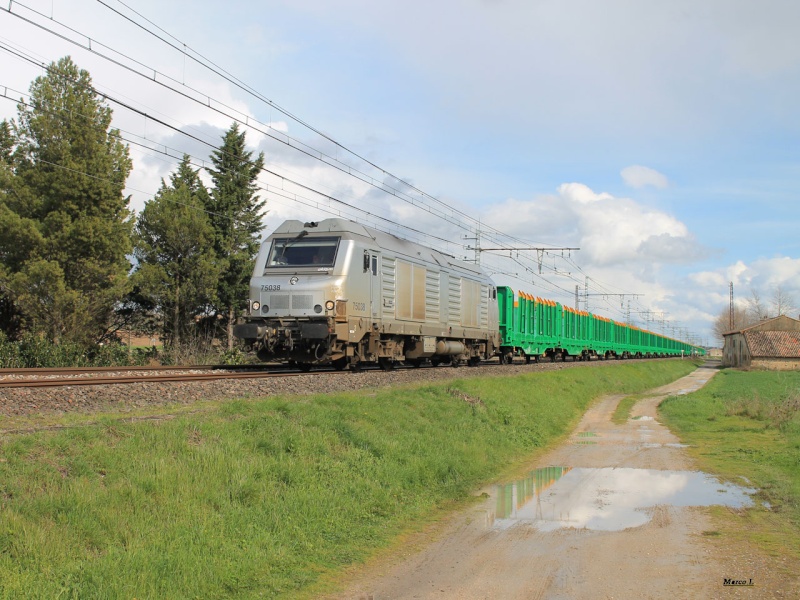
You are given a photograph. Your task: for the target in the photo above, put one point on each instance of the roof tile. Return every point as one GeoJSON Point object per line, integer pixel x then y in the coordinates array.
{"type": "Point", "coordinates": [776, 344]}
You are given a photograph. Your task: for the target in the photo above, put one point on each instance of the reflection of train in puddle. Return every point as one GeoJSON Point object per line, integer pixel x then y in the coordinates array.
{"type": "Point", "coordinates": [513, 496]}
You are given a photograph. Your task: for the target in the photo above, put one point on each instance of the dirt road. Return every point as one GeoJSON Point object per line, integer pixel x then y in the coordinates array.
{"type": "Point", "coordinates": [614, 512]}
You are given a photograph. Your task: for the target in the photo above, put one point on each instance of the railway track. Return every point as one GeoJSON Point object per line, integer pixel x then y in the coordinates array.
{"type": "Point", "coordinates": [38, 393]}
{"type": "Point", "coordinates": [82, 376]}
{"type": "Point", "coordinates": [110, 376]}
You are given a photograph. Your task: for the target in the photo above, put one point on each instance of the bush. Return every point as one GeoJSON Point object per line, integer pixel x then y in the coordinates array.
{"type": "Point", "coordinates": [33, 351]}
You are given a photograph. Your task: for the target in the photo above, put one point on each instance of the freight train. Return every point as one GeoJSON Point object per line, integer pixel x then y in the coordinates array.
{"type": "Point", "coordinates": [338, 293]}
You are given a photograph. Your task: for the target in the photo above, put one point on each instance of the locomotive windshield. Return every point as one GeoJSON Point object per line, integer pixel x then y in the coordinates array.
{"type": "Point", "coordinates": [302, 251]}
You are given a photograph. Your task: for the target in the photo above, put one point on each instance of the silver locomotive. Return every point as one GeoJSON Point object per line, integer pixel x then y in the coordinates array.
{"type": "Point", "coordinates": [336, 292]}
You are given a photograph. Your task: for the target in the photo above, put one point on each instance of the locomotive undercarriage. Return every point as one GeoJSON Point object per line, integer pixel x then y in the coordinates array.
{"type": "Point", "coordinates": [325, 342]}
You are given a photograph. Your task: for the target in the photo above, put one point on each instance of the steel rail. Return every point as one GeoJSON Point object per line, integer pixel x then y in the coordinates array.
{"type": "Point", "coordinates": [175, 377]}
{"type": "Point", "coordinates": [120, 369]}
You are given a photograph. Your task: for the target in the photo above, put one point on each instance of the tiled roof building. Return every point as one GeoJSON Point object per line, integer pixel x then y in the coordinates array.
{"type": "Point", "coordinates": [772, 344]}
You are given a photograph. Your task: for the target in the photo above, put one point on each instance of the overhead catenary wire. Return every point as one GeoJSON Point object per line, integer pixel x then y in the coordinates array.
{"type": "Point", "coordinates": [214, 104]}
{"type": "Point", "coordinates": [271, 189]}
{"type": "Point", "coordinates": [164, 123]}
{"type": "Point", "coordinates": [281, 193]}
{"type": "Point", "coordinates": [308, 150]}
{"type": "Point", "coordinates": [265, 129]}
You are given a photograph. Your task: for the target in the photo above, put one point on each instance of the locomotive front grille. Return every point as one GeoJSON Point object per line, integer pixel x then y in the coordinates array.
{"type": "Point", "coordinates": [279, 301]}
{"type": "Point", "coordinates": [302, 301]}
{"type": "Point", "coordinates": [293, 301]}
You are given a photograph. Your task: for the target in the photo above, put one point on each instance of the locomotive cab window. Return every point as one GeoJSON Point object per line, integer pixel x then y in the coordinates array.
{"type": "Point", "coordinates": [303, 252]}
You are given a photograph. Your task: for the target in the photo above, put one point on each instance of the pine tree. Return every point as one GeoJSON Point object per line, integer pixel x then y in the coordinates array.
{"type": "Point", "coordinates": [236, 213]}
{"type": "Point", "coordinates": [10, 315]}
{"type": "Point", "coordinates": [6, 142]}
{"type": "Point", "coordinates": [64, 223]}
{"type": "Point", "coordinates": [177, 269]}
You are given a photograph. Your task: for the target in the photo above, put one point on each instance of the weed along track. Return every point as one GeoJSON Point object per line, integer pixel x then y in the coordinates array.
{"type": "Point", "coordinates": [617, 510]}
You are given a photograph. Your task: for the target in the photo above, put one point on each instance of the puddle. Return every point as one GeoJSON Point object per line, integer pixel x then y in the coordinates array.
{"type": "Point", "coordinates": [654, 445]}
{"type": "Point", "coordinates": [606, 499]}
{"type": "Point", "coordinates": [643, 418]}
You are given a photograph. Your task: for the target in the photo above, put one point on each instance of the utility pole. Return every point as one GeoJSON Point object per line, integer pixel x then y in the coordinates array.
{"type": "Point", "coordinates": [586, 293]}
{"type": "Point", "coordinates": [731, 318]}
{"type": "Point", "coordinates": [477, 247]}
{"type": "Point", "coordinates": [577, 306]}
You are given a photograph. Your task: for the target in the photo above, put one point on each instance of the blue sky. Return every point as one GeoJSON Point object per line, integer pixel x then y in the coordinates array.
{"type": "Point", "coordinates": [663, 139]}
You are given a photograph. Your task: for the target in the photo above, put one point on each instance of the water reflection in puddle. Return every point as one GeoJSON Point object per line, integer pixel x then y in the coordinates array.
{"type": "Point", "coordinates": [606, 499]}
{"type": "Point", "coordinates": [654, 445]}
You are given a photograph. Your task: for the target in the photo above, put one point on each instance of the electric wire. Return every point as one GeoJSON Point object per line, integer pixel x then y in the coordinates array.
{"type": "Point", "coordinates": [246, 122]}
{"type": "Point", "coordinates": [201, 164]}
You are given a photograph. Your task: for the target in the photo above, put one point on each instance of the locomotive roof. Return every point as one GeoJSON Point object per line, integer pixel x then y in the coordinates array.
{"type": "Point", "coordinates": [383, 240]}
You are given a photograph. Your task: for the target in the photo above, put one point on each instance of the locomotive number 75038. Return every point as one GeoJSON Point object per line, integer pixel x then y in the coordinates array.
{"type": "Point", "coordinates": [271, 288]}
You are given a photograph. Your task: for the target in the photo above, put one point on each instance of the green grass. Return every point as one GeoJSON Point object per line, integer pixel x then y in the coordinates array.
{"type": "Point", "coordinates": [271, 497]}
{"type": "Point", "coordinates": [747, 425]}
{"type": "Point", "coordinates": [623, 411]}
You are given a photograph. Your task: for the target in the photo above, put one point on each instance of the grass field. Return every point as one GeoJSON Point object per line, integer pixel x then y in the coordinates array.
{"type": "Point", "coordinates": [747, 425]}
{"type": "Point", "coordinates": [271, 497]}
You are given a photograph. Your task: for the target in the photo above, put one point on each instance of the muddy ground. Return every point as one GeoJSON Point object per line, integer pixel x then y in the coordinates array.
{"type": "Point", "coordinates": [616, 511]}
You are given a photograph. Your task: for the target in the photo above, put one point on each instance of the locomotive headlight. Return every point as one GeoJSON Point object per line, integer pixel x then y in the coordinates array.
{"type": "Point", "coordinates": [256, 305]}
{"type": "Point", "coordinates": [329, 305]}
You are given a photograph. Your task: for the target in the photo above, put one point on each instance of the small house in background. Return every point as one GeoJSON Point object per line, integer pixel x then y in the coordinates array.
{"type": "Point", "coordinates": [772, 344]}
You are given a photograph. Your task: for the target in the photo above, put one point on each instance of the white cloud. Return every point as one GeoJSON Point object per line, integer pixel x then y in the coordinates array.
{"type": "Point", "coordinates": [609, 230]}
{"type": "Point", "coordinates": [637, 176]}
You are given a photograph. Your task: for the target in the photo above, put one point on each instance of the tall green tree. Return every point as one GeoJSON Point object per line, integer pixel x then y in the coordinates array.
{"type": "Point", "coordinates": [65, 226]}
{"type": "Point", "coordinates": [6, 142]}
{"type": "Point", "coordinates": [178, 269]}
{"type": "Point", "coordinates": [10, 315]}
{"type": "Point", "coordinates": [236, 212]}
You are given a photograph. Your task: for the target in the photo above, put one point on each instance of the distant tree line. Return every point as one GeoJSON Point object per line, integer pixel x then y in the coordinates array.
{"type": "Point", "coordinates": [77, 266]}
{"type": "Point", "coordinates": [755, 310]}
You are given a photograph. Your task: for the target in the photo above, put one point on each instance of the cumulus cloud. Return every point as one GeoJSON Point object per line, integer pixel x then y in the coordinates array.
{"type": "Point", "coordinates": [637, 176]}
{"type": "Point", "coordinates": [609, 230]}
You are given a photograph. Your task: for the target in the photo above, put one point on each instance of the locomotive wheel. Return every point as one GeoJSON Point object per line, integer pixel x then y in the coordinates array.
{"type": "Point", "coordinates": [474, 361]}
{"type": "Point", "coordinates": [527, 359]}
{"type": "Point", "coordinates": [386, 364]}
{"type": "Point", "coordinates": [414, 362]}
{"type": "Point", "coordinates": [339, 364]}
{"type": "Point", "coordinates": [304, 367]}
